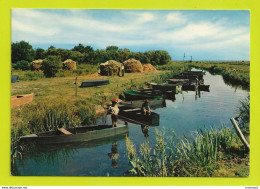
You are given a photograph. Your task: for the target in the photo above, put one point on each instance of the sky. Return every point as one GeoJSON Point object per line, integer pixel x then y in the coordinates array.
{"type": "Point", "coordinates": [202, 34]}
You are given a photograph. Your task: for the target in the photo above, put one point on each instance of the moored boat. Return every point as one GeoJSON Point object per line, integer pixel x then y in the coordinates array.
{"type": "Point", "coordinates": [164, 86]}
{"type": "Point", "coordinates": [131, 95]}
{"type": "Point", "coordinates": [136, 116]}
{"type": "Point", "coordinates": [93, 83]}
{"type": "Point", "coordinates": [76, 134]}
{"type": "Point", "coordinates": [19, 100]}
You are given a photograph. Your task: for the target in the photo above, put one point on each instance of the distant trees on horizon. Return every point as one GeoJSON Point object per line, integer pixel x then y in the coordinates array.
{"type": "Point", "coordinates": [23, 51]}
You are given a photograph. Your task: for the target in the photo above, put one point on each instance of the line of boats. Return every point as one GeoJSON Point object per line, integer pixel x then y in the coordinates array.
{"type": "Point", "coordinates": [130, 111]}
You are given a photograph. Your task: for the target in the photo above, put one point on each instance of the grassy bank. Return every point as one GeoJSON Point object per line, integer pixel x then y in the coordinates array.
{"type": "Point", "coordinates": [212, 152]}
{"type": "Point", "coordinates": [233, 72]}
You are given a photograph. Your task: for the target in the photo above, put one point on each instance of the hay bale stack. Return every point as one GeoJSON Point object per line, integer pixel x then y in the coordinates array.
{"type": "Point", "coordinates": [36, 65]}
{"type": "Point", "coordinates": [148, 68]}
{"type": "Point", "coordinates": [110, 68]}
{"type": "Point", "coordinates": [69, 65]}
{"type": "Point", "coordinates": [133, 65]}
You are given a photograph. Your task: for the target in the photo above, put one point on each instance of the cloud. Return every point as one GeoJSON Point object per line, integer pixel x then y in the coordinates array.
{"type": "Point", "coordinates": [176, 18]}
{"type": "Point", "coordinates": [163, 29]}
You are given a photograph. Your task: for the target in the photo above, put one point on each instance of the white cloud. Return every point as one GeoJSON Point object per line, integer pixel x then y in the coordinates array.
{"type": "Point", "coordinates": [176, 18]}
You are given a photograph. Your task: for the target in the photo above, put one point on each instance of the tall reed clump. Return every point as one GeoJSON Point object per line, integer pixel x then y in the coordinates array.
{"type": "Point", "coordinates": [181, 157]}
{"type": "Point", "coordinates": [243, 112]}
{"type": "Point", "coordinates": [44, 117]}
{"type": "Point", "coordinates": [17, 149]}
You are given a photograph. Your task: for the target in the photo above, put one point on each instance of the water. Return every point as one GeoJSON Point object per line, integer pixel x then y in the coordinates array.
{"type": "Point", "coordinates": [109, 157]}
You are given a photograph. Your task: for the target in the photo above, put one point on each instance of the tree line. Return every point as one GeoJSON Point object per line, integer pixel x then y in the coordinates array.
{"type": "Point", "coordinates": [23, 53]}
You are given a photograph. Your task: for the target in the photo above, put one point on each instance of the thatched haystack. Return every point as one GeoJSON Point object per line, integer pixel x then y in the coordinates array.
{"type": "Point", "coordinates": [133, 65]}
{"type": "Point", "coordinates": [36, 65]}
{"type": "Point", "coordinates": [110, 68]}
{"type": "Point", "coordinates": [69, 65]}
{"type": "Point", "coordinates": [149, 68]}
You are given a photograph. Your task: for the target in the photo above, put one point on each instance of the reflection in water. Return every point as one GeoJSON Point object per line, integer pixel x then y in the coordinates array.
{"type": "Point", "coordinates": [145, 129]}
{"type": "Point", "coordinates": [114, 154]}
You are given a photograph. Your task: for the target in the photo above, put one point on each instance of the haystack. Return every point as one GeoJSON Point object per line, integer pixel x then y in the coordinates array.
{"type": "Point", "coordinates": [110, 68]}
{"type": "Point", "coordinates": [133, 65]}
{"type": "Point", "coordinates": [148, 68]}
{"type": "Point", "coordinates": [36, 65]}
{"type": "Point", "coordinates": [69, 65]}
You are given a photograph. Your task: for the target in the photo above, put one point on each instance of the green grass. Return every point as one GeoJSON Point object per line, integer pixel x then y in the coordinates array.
{"type": "Point", "coordinates": [233, 72]}
{"type": "Point", "coordinates": [199, 156]}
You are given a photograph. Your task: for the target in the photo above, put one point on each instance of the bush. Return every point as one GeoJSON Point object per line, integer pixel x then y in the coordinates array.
{"type": "Point", "coordinates": [22, 65]}
{"type": "Point", "coordinates": [51, 65]}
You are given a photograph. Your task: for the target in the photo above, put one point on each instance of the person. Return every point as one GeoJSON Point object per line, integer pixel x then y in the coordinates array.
{"type": "Point", "coordinates": [146, 110]}
{"type": "Point", "coordinates": [113, 109]}
{"type": "Point", "coordinates": [197, 81]}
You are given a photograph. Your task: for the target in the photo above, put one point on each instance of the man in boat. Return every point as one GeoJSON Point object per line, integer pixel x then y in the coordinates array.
{"type": "Point", "coordinates": [114, 110]}
{"type": "Point", "coordinates": [146, 110]}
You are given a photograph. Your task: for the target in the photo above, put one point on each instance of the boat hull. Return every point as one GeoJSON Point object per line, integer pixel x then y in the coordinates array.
{"type": "Point", "coordinates": [136, 95]}
{"type": "Point", "coordinates": [80, 134]}
{"type": "Point", "coordinates": [136, 116]}
{"type": "Point", "coordinates": [93, 83]}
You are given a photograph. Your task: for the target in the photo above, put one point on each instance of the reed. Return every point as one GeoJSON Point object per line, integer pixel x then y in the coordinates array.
{"type": "Point", "coordinates": [181, 157]}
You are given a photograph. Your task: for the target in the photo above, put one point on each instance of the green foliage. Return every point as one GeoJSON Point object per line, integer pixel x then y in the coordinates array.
{"type": "Point", "coordinates": [85, 112]}
{"type": "Point", "coordinates": [181, 157]}
{"type": "Point", "coordinates": [21, 65]}
{"type": "Point", "coordinates": [243, 112]}
{"type": "Point", "coordinates": [158, 57]}
{"type": "Point", "coordinates": [39, 53]}
{"type": "Point", "coordinates": [22, 51]}
{"type": "Point", "coordinates": [112, 48]}
{"type": "Point", "coordinates": [44, 117]}
{"type": "Point", "coordinates": [80, 48]}
{"type": "Point", "coordinates": [51, 65]}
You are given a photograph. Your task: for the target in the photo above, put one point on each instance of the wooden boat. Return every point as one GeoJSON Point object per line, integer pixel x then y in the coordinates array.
{"type": "Point", "coordinates": [164, 86]}
{"type": "Point", "coordinates": [14, 78]}
{"type": "Point", "coordinates": [155, 103]}
{"type": "Point", "coordinates": [131, 95]}
{"type": "Point", "coordinates": [93, 83]}
{"type": "Point", "coordinates": [77, 134]}
{"type": "Point", "coordinates": [136, 116]}
{"type": "Point", "coordinates": [178, 81]}
{"type": "Point", "coordinates": [19, 100]}
{"type": "Point", "coordinates": [194, 87]}
{"type": "Point", "coordinates": [203, 88]}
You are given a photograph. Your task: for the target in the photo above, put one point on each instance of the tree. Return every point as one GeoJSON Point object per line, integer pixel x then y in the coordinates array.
{"type": "Point", "coordinates": [88, 49]}
{"type": "Point", "coordinates": [21, 65]}
{"type": "Point", "coordinates": [112, 48]}
{"type": "Point", "coordinates": [22, 51]}
{"type": "Point", "coordinates": [80, 48]}
{"type": "Point", "coordinates": [39, 53]}
{"type": "Point", "coordinates": [51, 65]}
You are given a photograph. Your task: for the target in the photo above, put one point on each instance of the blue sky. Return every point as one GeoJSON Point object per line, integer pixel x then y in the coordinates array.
{"type": "Point", "coordinates": [202, 34]}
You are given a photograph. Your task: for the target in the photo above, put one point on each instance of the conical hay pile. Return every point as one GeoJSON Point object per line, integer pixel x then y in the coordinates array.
{"type": "Point", "coordinates": [69, 65]}
{"type": "Point", "coordinates": [110, 68]}
{"type": "Point", "coordinates": [148, 68]}
{"type": "Point", "coordinates": [36, 65]}
{"type": "Point", "coordinates": [133, 65]}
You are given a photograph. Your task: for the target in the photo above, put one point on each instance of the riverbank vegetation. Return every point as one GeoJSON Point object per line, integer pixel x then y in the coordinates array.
{"type": "Point", "coordinates": [235, 72]}
{"type": "Point", "coordinates": [217, 151]}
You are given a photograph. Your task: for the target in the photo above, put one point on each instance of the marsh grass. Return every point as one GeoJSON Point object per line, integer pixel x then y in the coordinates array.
{"type": "Point", "coordinates": [182, 157]}
{"type": "Point", "coordinates": [234, 72]}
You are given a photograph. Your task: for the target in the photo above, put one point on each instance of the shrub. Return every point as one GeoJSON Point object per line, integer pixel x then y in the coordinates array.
{"type": "Point", "coordinates": [51, 65]}
{"type": "Point", "coordinates": [22, 65]}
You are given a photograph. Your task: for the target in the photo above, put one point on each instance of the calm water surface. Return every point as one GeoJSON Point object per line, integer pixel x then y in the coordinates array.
{"type": "Point", "coordinates": [109, 157]}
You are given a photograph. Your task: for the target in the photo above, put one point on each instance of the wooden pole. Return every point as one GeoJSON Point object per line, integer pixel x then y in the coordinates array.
{"type": "Point", "coordinates": [239, 133]}
{"type": "Point", "coordinates": [76, 87]}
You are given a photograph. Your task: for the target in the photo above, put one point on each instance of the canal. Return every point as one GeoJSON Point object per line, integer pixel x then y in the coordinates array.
{"type": "Point", "coordinates": [188, 112]}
